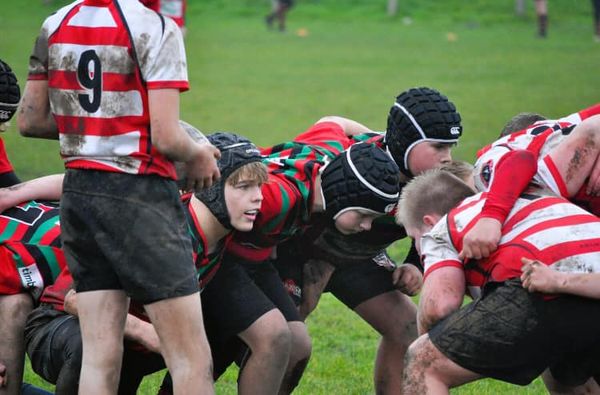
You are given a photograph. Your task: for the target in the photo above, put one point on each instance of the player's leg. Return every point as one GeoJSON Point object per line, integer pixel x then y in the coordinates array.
{"type": "Point", "coordinates": [268, 281]}
{"type": "Point", "coordinates": [315, 276]}
{"type": "Point", "coordinates": [53, 340]}
{"type": "Point", "coordinates": [393, 316]}
{"type": "Point", "coordinates": [367, 289]}
{"type": "Point", "coordinates": [102, 319]}
{"type": "Point", "coordinates": [13, 314]}
{"type": "Point", "coordinates": [179, 324]}
{"type": "Point", "coordinates": [428, 371]}
{"type": "Point", "coordinates": [234, 306]}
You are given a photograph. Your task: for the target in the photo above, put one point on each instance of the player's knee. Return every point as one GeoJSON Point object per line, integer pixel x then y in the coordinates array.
{"type": "Point", "coordinates": [277, 340]}
{"type": "Point", "coordinates": [14, 310]}
{"type": "Point", "coordinates": [301, 343]}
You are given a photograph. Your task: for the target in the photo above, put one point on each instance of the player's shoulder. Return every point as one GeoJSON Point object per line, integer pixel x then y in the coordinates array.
{"type": "Point", "coordinates": [54, 20]}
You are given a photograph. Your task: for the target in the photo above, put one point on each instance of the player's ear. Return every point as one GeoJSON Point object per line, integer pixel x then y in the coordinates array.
{"type": "Point", "coordinates": [430, 219]}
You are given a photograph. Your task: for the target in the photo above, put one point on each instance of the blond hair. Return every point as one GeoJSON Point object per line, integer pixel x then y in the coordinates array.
{"type": "Point", "coordinates": [432, 192]}
{"type": "Point", "coordinates": [253, 171]}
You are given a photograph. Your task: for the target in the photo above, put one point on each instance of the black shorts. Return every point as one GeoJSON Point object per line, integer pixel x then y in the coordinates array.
{"type": "Point", "coordinates": [53, 344]}
{"type": "Point", "coordinates": [240, 293]}
{"type": "Point", "coordinates": [353, 283]}
{"type": "Point", "coordinates": [121, 231]}
{"type": "Point", "coordinates": [512, 335]}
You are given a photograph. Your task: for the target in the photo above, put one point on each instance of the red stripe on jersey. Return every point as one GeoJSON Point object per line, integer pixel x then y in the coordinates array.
{"type": "Point", "coordinates": [10, 281]}
{"type": "Point", "coordinates": [590, 111]}
{"type": "Point", "coordinates": [568, 249]}
{"type": "Point", "coordinates": [538, 142]}
{"type": "Point", "coordinates": [180, 85]}
{"type": "Point", "coordinates": [527, 210]}
{"type": "Point", "coordinates": [113, 82]}
{"type": "Point", "coordinates": [556, 222]}
{"type": "Point", "coordinates": [441, 264]}
{"type": "Point", "coordinates": [562, 187]}
{"type": "Point", "coordinates": [51, 235]}
{"type": "Point", "coordinates": [456, 236]}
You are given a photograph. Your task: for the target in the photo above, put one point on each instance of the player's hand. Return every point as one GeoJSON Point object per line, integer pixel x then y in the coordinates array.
{"type": "Point", "coordinates": [70, 303]}
{"type": "Point", "coordinates": [482, 239]}
{"type": "Point", "coordinates": [537, 277]}
{"type": "Point", "coordinates": [407, 279]}
{"type": "Point", "coordinates": [3, 381]}
{"type": "Point", "coordinates": [149, 338]}
{"type": "Point", "coordinates": [202, 170]}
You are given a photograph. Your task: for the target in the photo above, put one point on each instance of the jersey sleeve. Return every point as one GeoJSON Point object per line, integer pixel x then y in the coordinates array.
{"type": "Point", "coordinates": [165, 66]}
{"type": "Point", "coordinates": [511, 175]}
{"type": "Point", "coordinates": [38, 61]}
{"type": "Point", "coordinates": [437, 250]}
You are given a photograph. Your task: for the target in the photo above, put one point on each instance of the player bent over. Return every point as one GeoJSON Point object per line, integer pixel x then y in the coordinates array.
{"type": "Point", "coordinates": [506, 333]}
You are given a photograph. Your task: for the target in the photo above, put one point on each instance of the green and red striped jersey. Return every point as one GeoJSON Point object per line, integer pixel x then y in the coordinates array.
{"type": "Point", "coordinates": [289, 193]}
{"type": "Point", "coordinates": [31, 257]}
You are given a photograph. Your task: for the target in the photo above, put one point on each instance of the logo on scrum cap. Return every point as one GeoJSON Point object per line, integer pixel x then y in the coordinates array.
{"type": "Point", "coordinates": [455, 130]}
{"type": "Point", "coordinates": [389, 208]}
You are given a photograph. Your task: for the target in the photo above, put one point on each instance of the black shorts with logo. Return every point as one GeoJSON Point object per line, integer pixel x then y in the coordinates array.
{"type": "Point", "coordinates": [512, 335]}
{"type": "Point", "coordinates": [123, 231]}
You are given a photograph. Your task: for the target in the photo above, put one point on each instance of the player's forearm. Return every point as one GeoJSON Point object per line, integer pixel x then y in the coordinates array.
{"type": "Point", "coordinates": [581, 284]}
{"type": "Point", "coordinates": [44, 188]}
{"type": "Point", "coordinates": [34, 118]}
{"type": "Point", "coordinates": [141, 332]}
{"type": "Point", "coordinates": [349, 126]}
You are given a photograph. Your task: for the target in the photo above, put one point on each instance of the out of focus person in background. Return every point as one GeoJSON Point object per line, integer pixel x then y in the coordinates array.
{"type": "Point", "coordinates": [541, 10]}
{"type": "Point", "coordinates": [174, 9]}
{"type": "Point", "coordinates": [596, 11]}
{"type": "Point", "coordinates": [279, 11]}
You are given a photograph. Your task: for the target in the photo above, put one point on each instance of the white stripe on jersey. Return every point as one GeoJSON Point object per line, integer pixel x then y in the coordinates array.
{"type": "Point", "coordinates": [112, 105]}
{"type": "Point", "coordinates": [89, 16]}
{"type": "Point", "coordinates": [582, 263]}
{"type": "Point", "coordinates": [100, 146]}
{"type": "Point", "coordinates": [464, 217]}
{"type": "Point", "coordinates": [113, 58]}
{"type": "Point", "coordinates": [564, 234]}
{"type": "Point", "coordinates": [554, 211]}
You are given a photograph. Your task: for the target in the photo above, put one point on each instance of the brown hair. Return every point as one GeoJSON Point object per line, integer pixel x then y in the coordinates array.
{"type": "Point", "coordinates": [433, 192]}
{"type": "Point", "coordinates": [460, 168]}
{"type": "Point", "coordinates": [520, 122]}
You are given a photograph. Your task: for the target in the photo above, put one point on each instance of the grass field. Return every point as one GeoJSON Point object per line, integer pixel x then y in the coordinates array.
{"type": "Point", "coordinates": [352, 62]}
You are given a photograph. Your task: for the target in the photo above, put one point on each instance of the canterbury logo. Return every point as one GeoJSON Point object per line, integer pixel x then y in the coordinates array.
{"type": "Point", "coordinates": [454, 130]}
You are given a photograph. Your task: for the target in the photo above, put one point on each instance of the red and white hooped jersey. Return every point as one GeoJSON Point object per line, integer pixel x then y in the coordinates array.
{"type": "Point", "coordinates": [100, 58]}
{"type": "Point", "coordinates": [547, 228]}
{"type": "Point", "coordinates": [540, 138]}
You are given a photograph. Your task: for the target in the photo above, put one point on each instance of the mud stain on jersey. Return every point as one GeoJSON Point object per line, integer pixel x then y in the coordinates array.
{"type": "Point", "coordinates": [71, 144]}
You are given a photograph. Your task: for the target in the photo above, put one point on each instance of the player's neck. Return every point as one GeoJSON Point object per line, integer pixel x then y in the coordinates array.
{"type": "Point", "coordinates": [317, 197]}
{"type": "Point", "coordinates": [213, 230]}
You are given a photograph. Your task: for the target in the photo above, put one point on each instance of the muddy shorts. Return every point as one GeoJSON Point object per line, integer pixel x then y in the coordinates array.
{"type": "Point", "coordinates": [122, 231]}
{"type": "Point", "coordinates": [512, 335]}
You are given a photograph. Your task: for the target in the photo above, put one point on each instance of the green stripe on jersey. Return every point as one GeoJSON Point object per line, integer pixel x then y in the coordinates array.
{"type": "Point", "coordinates": [9, 231]}
{"type": "Point", "coordinates": [285, 206]}
{"type": "Point", "coordinates": [50, 255]}
{"type": "Point", "coordinates": [42, 230]}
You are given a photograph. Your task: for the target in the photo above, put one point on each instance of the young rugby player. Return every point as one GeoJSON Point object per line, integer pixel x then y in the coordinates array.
{"type": "Point", "coordinates": [422, 127]}
{"type": "Point", "coordinates": [105, 78]}
{"type": "Point", "coordinates": [557, 154]}
{"type": "Point", "coordinates": [507, 333]}
{"type": "Point", "coordinates": [247, 299]}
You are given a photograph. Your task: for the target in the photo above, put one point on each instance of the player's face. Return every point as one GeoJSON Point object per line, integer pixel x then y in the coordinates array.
{"type": "Point", "coordinates": [243, 202]}
{"type": "Point", "coordinates": [428, 155]}
{"type": "Point", "coordinates": [355, 221]}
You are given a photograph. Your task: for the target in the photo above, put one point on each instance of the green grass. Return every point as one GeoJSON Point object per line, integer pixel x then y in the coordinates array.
{"type": "Point", "coordinates": [355, 59]}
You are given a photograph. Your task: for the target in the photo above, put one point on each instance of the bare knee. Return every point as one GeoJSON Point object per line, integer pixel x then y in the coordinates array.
{"type": "Point", "coordinates": [15, 308]}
